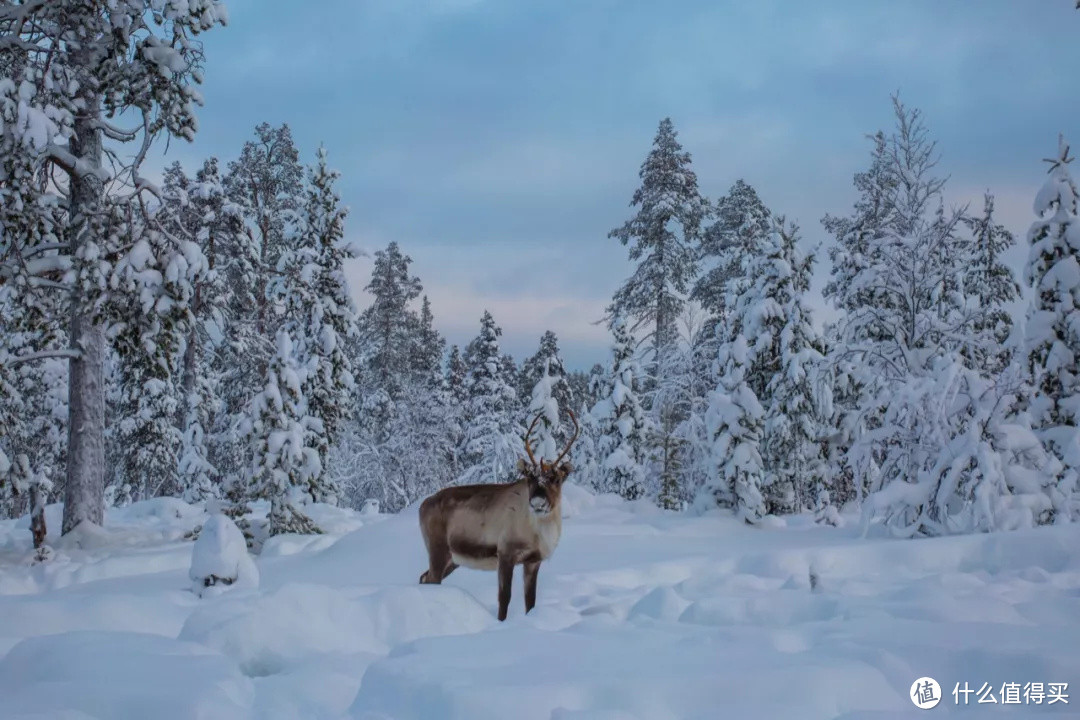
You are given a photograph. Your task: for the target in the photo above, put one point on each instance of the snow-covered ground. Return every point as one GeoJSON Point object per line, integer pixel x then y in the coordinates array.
{"type": "Point", "coordinates": [640, 614]}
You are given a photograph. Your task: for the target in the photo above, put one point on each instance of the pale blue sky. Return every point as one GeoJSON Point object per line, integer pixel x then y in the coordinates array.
{"type": "Point", "coordinates": [498, 141]}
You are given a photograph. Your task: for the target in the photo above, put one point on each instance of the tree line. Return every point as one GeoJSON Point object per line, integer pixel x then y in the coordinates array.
{"type": "Point", "coordinates": [197, 337]}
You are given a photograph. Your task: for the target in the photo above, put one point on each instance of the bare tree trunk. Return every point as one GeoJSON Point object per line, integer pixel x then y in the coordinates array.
{"type": "Point", "coordinates": [84, 492]}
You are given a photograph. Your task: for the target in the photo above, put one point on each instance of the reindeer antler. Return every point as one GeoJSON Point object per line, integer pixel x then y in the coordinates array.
{"type": "Point", "coordinates": [577, 429]}
{"type": "Point", "coordinates": [528, 450]}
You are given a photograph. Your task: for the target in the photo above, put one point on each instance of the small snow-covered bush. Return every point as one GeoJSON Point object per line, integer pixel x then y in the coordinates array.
{"type": "Point", "coordinates": [220, 560]}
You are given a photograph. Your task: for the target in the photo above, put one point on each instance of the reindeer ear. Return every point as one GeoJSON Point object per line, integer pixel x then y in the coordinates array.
{"type": "Point", "coordinates": [564, 471]}
{"type": "Point", "coordinates": [522, 466]}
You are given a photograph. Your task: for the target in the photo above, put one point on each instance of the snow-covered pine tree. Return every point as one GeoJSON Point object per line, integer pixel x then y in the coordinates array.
{"type": "Point", "coordinates": [620, 421]}
{"type": "Point", "coordinates": [387, 325]}
{"type": "Point", "coordinates": [990, 286]}
{"type": "Point", "coordinates": [578, 381]}
{"type": "Point", "coordinates": [319, 313]}
{"type": "Point", "coordinates": [216, 224]}
{"type": "Point", "coordinates": [1052, 345]}
{"type": "Point", "coordinates": [734, 421]}
{"type": "Point", "coordinates": [160, 272]}
{"type": "Point", "coordinates": [133, 58]}
{"type": "Point", "coordinates": [285, 442]}
{"type": "Point", "coordinates": [742, 222]}
{"type": "Point", "coordinates": [791, 441]}
{"type": "Point", "coordinates": [387, 339]}
{"type": "Point", "coordinates": [547, 362]}
{"type": "Point", "coordinates": [33, 395]}
{"type": "Point", "coordinates": [586, 464]}
{"type": "Point", "coordinates": [544, 404]}
{"type": "Point", "coordinates": [492, 436]}
{"type": "Point", "coordinates": [333, 316]}
{"type": "Point", "coordinates": [237, 365]}
{"type": "Point", "coordinates": [456, 375]}
{"type": "Point", "coordinates": [428, 348]}
{"type": "Point", "coordinates": [663, 238]}
{"type": "Point", "coordinates": [267, 182]}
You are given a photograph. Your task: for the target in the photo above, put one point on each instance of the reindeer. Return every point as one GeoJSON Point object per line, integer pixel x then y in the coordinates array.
{"type": "Point", "coordinates": [498, 526]}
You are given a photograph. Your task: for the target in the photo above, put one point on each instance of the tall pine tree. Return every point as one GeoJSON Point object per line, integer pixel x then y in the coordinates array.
{"type": "Point", "coordinates": [662, 238]}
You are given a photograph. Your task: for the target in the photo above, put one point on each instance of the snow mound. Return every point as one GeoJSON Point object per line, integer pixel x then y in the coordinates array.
{"type": "Point", "coordinates": [120, 676]}
{"type": "Point", "coordinates": [292, 544]}
{"type": "Point", "coordinates": [600, 670]}
{"type": "Point", "coordinates": [334, 520]}
{"type": "Point", "coordinates": [220, 560]}
{"type": "Point", "coordinates": [273, 633]}
{"type": "Point", "coordinates": [663, 603]}
{"type": "Point", "coordinates": [153, 511]}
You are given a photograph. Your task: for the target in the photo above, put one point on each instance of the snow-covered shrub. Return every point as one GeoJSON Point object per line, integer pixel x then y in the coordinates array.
{"type": "Point", "coordinates": [220, 560]}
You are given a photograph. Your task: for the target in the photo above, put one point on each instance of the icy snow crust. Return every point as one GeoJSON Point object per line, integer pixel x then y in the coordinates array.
{"type": "Point", "coordinates": [641, 615]}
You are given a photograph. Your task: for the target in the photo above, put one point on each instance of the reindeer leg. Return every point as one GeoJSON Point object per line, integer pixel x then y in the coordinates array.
{"type": "Point", "coordinates": [438, 561]}
{"type": "Point", "coordinates": [506, 577]}
{"type": "Point", "coordinates": [530, 571]}
{"type": "Point", "coordinates": [451, 566]}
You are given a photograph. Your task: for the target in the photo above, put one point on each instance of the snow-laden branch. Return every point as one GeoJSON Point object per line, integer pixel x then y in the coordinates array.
{"type": "Point", "coordinates": [43, 355]}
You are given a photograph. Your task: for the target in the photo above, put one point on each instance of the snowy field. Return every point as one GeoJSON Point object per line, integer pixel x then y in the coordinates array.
{"type": "Point", "coordinates": [640, 614]}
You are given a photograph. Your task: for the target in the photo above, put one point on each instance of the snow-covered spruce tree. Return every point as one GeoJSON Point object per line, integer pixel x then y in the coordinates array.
{"type": "Point", "coordinates": [677, 442]}
{"type": "Point", "coordinates": [492, 434]}
{"type": "Point", "coordinates": [543, 408]}
{"type": "Point", "coordinates": [938, 446]}
{"type": "Point", "coordinates": [456, 374]}
{"type": "Point", "coordinates": [990, 286]}
{"type": "Point", "coordinates": [663, 238]}
{"type": "Point", "coordinates": [620, 421]}
{"type": "Point", "coordinates": [267, 182]}
{"type": "Point", "coordinates": [1052, 344]}
{"type": "Point", "coordinates": [420, 451]}
{"type": "Point", "coordinates": [387, 326]}
{"type": "Point", "coordinates": [428, 347]}
{"type": "Point", "coordinates": [791, 451]}
{"type": "Point", "coordinates": [159, 272]}
{"type": "Point", "coordinates": [33, 394]}
{"type": "Point", "coordinates": [734, 421]}
{"type": "Point", "coordinates": [319, 313]}
{"type": "Point", "coordinates": [586, 464]}
{"type": "Point", "coordinates": [547, 362]}
{"type": "Point", "coordinates": [33, 410]}
{"type": "Point", "coordinates": [579, 381]}
{"type": "Point", "coordinates": [285, 442]}
{"type": "Point", "coordinates": [386, 343]}
{"type": "Point", "coordinates": [687, 384]}
{"type": "Point", "coordinates": [742, 223]}
{"type": "Point", "coordinates": [405, 443]}
{"type": "Point", "coordinates": [72, 67]}
{"type": "Point", "coordinates": [216, 225]}
{"type": "Point", "coordinates": [766, 315]}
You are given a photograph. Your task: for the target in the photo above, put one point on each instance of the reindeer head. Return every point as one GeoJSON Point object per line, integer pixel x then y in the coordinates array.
{"type": "Point", "coordinates": [545, 479]}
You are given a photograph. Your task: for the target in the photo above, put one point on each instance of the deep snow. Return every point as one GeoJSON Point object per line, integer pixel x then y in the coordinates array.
{"type": "Point", "coordinates": [641, 615]}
